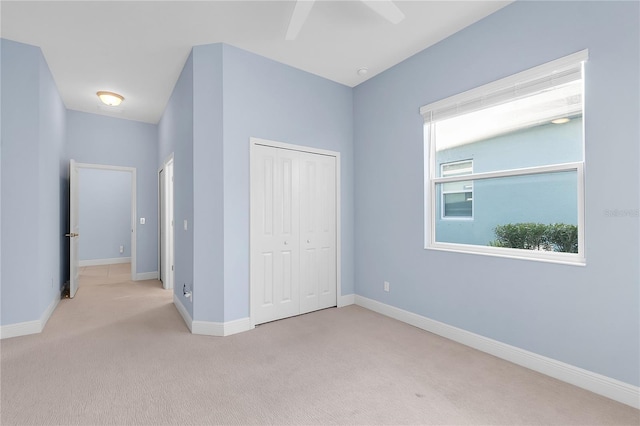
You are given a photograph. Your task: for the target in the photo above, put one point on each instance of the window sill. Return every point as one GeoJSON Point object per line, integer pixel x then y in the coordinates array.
{"type": "Point", "coordinates": [538, 256]}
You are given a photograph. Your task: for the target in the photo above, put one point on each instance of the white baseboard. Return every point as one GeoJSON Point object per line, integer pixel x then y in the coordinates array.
{"type": "Point", "coordinates": [20, 329]}
{"type": "Point", "coordinates": [29, 327]}
{"type": "Point", "coordinates": [49, 311]}
{"type": "Point", "coordinates": [96, 262]}
{"type": "Point", "coordinates": [147, 276]}
{"type": "Point", "coordinates": [209, 328]}
{"type": "Point", "coordinates": [597, 383]}
{"type": "Point", "coordinates": [183, 311]}
{"type": "Point", "coordinates": [221, 329]}
{"type": "Point", "coordinates": [237, 326]}
{"type": "Point", "coordinates": [346, 300]}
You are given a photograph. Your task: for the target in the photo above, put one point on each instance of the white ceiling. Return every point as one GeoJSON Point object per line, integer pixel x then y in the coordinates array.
{"type": "Point", "coordinates": [138, 49]}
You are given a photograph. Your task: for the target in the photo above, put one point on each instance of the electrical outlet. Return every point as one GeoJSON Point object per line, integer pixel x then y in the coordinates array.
{"type": "Point", "coordinates": [121, 249]}
{"type": "Point", "coordinates": [187, 293]}
{"type": "Point", "coordinates": [386, 286]}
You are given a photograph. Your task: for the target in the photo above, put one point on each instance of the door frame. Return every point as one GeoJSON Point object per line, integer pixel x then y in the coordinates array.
{"type": "Point", "coordinates": [253, 142]}
{"type": "Point", "coordinates": [74, 281]}
{"type": "Point", "coordinates": [134, 232]}
{"type": "Point", "coordinates": [168, 161]}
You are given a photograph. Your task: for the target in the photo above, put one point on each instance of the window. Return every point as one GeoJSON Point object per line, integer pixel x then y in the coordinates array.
{"type": "Point", "coordinates": [457, 197]}
{"type": "Point", "coordinates": [504, 166]}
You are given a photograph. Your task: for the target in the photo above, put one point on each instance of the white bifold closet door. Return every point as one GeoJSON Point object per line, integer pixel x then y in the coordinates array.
{"type": "Point", "coordinates": [317, 178]}
{"type": "Point", "coordinates": [293, 233]}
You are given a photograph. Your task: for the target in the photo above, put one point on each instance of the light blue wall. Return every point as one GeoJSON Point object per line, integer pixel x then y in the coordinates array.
{"type": "Point", "coordinates": [585, 316]}
{"type": "Point", "coordinates": [175, 135]}
{"type": "Point", "coordinates": [20, 142]}
{"type": "Point", "coordinates": [104, 214]}
{"type": "Point", "coordinates": [33, 134]}
{"type": "Point", "coordinates": [208, 221]}
{"type": "Point", "coordinates": [98, 139]}
{"type": "Point", "coordinates": [1, 138]}
{"type": "Point", "coordinates": [52, 169]}
{"type": "Point", "coordinates": [269, 100]}
{"type": "Point", "coordinates": [549, 198]}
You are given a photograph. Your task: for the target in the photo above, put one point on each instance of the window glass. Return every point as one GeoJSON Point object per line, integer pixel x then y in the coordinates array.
{"type": "Point", "coordinates": [518, 133]}
{"type": "Point", "coordinates": [545, 199]}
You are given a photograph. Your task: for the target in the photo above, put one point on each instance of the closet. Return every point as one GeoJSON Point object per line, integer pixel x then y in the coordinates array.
{"type": "Point", "coordinates": [293, 232]}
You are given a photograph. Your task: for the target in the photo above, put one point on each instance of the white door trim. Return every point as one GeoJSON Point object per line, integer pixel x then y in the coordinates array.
{"type": "Point", "coordinates": [171, 253]}
{"type": "Point", "coordinates": [134, 213]}
{"type": "Point", "coordinates": [74, 192]}
{"type": "Point", "coordinates": [274, 144]}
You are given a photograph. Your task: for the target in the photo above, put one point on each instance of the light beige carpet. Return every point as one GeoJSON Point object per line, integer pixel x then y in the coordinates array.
{"type": "Point", "coordinates": [119, 353]}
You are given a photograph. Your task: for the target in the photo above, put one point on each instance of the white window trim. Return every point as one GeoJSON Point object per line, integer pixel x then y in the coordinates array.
{"type": "Point", "coordinates": [460, 103]}
{"type": "Point", "coordinates": [443, 192]}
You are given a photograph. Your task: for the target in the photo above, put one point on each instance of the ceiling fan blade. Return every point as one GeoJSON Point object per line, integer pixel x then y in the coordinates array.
{"type": "Point", "coordinates": [298, 18]}
{"type": "Point", "coordinates": [386, 9]}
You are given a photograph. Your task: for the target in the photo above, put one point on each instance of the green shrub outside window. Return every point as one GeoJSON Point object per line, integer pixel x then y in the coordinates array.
{"type": "Point", "coordinates": [559, 237]}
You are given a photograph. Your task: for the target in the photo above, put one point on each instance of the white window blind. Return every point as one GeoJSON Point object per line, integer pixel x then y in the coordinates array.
{"type": "Point", "coordinates": [533, 80]}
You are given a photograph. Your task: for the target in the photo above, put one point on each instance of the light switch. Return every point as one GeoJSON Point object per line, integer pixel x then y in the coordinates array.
{"type": "Point", "coordinates": [185, 225]}
{"type": "Point", "coordinates": [142, 221]}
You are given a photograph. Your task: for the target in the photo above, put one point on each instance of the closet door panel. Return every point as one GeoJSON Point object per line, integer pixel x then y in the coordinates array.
{"type": "Point", "coordinates": [274, 234]}
{"type": "Point", "coordinates": [317, 232]}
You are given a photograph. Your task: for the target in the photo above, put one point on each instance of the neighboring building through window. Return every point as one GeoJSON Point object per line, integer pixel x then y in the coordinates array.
{"type": "Point", "coordinates": [506, 160]}
{"type": "Point", "coordinates": [457, 197]}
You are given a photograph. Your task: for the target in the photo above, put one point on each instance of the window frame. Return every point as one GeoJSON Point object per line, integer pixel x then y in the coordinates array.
{"type": "Point", "coordinates": [443, 193]}
{"type": "Point", "coordinates": [548, 70]}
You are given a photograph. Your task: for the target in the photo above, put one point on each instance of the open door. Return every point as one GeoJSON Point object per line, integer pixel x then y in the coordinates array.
{"type": "Point", "coordinates": [73, 229]}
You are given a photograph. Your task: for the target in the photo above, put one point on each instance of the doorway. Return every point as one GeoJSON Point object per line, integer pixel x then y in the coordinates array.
{"type": "Point", "coordinates": [102, 218]}
{"type": "Point", "coordinates": [294, 235]}
{"type": "Point", "coordinates": [166, 224]}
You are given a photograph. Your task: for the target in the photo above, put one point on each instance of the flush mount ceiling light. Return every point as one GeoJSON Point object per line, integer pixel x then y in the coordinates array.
{"type": "Point", "coordinates": [362, 71]}
{"type": "Point", "coordinates": [110, 98]}
{"type": "Point", "coordinates": [561, 120]}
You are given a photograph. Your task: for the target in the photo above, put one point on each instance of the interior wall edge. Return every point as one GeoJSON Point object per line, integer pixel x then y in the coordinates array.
{"type": "Point", "coordinates": [30, 327]}
{"type": "Point", "coordinates": [182, 311]}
